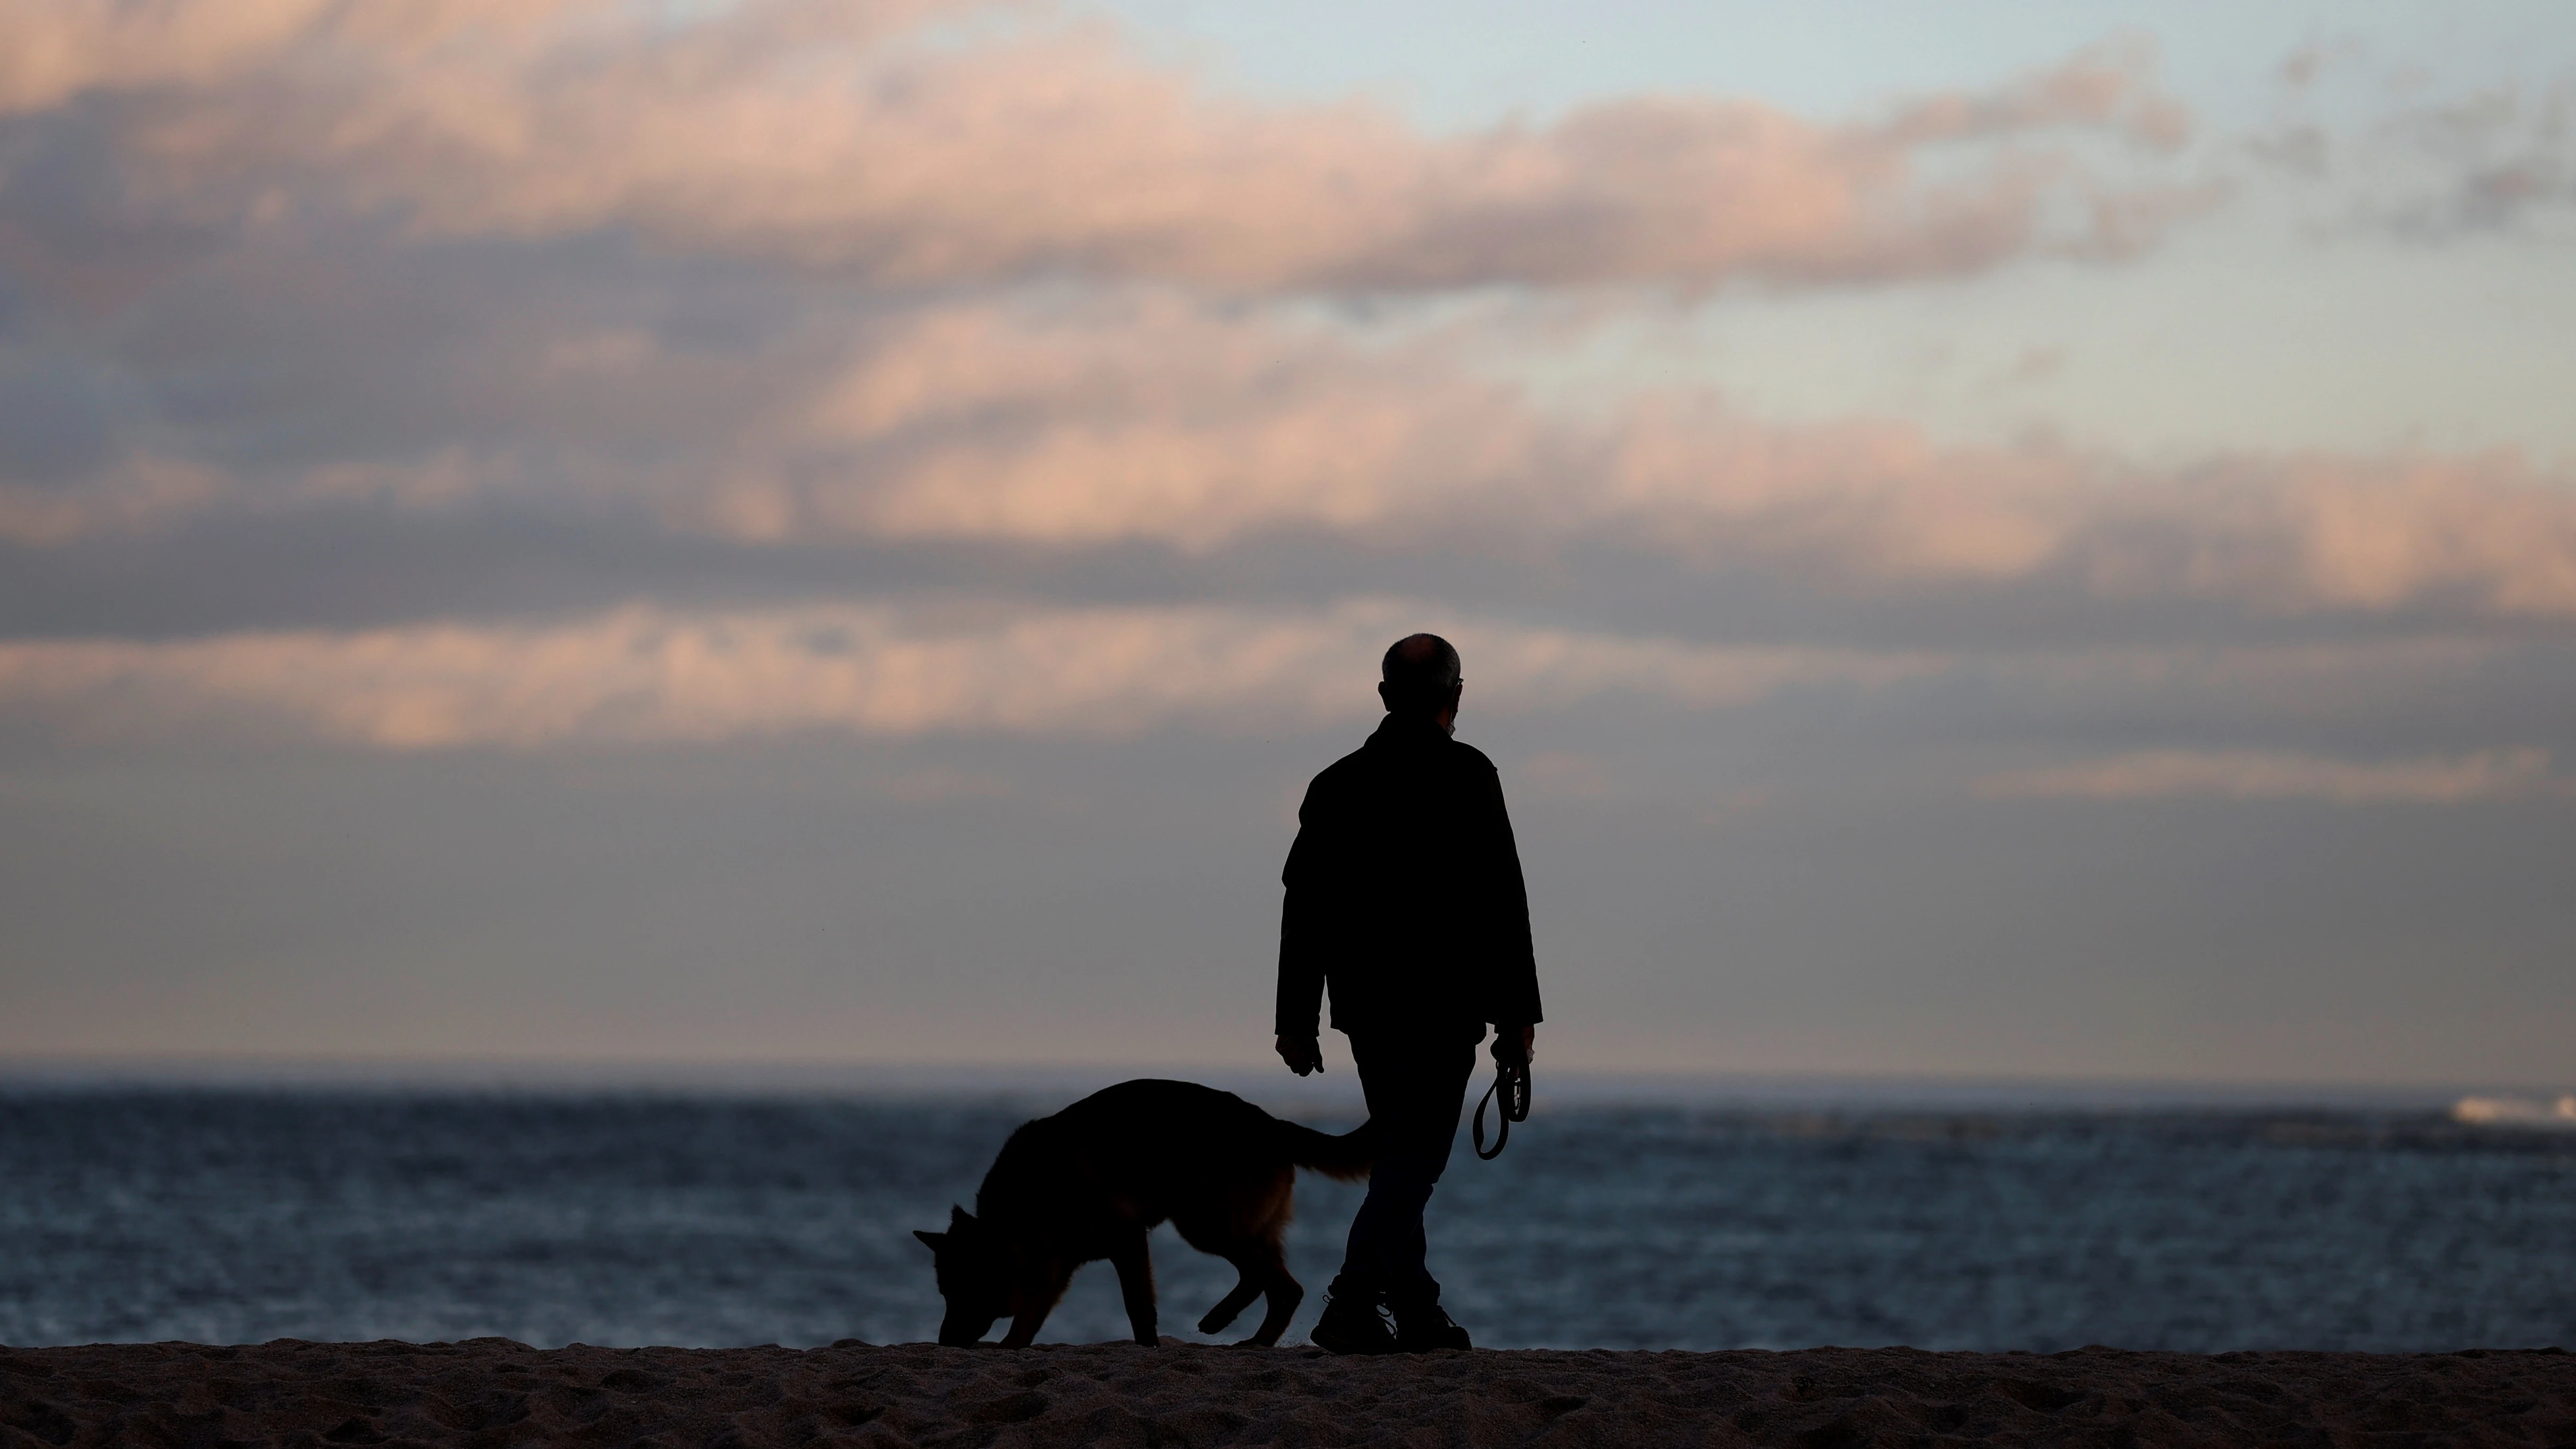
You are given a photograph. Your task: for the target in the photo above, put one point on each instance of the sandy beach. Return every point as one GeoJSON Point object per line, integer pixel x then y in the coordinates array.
{"type": "Point", "coordinates": [492, 1392]}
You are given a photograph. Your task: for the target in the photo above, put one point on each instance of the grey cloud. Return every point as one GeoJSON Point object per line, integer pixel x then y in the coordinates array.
{"type": "Point", "coordinates": [2386, 153]}
{"type": "Point", "coordinates": [75, 238]}
{"type": "Point", "coordinates": [55, 427]}
{"type": "Point", "coordinates": [2510, 156]}
{"type": "Point", "coordinates": [2282, 775]}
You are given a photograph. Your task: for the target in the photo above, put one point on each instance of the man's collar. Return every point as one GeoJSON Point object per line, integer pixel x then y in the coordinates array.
{"type": "Point", "coordinates": [1408, 727]}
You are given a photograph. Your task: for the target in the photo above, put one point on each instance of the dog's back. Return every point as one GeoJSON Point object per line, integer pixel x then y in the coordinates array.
{"type": "Point", "coordinates": [1155, 1146]}
{"type": "Point", "coordinates": [1091, 1181]}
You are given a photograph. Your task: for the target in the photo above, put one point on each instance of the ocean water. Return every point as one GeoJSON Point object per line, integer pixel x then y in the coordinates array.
{"type": "Point", "coordinates": [550, 1217]}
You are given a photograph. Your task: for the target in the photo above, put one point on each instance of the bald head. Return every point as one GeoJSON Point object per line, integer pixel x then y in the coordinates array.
{"type": "Point", "coordinates": [1420, 675]}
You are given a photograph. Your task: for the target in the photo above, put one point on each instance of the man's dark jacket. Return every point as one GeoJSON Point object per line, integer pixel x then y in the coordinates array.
{"type": "Point", "coordinates": [1405, 894]}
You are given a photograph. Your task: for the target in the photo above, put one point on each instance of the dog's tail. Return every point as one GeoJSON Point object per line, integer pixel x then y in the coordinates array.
{"type": "Point", "coordinates": [1347, 1157]}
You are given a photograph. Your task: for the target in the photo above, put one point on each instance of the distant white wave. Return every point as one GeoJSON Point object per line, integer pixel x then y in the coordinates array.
{"type": "Point", "coordinates": [2516, 1112]}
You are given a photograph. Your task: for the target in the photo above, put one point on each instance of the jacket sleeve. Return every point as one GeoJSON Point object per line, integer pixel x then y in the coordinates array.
{"type": "Point", "coordinates": [1512, 992]}
{"type": "Point", "coordinates": [1301, 948]}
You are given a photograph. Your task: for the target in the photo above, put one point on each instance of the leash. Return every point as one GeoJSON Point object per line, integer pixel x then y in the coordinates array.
{"type": "Point", "coordinates": [1512, 1083]}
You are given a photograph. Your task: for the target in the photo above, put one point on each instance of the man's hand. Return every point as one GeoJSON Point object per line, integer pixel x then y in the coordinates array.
{"type": "Point", "coordinates": [1303, 1054]}
{"type": "Point", "coordinates": [1513, 1044]}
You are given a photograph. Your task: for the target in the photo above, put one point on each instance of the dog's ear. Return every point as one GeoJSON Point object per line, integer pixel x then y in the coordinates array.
{"type": "Point", "coordinates": [932, 1241]}
{"type": "Point", "coordinates": [959, 1220]}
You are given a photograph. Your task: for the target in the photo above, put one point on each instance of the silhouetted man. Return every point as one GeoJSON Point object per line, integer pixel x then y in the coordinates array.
{"type": "Point", "coordinates": [1405, 897]}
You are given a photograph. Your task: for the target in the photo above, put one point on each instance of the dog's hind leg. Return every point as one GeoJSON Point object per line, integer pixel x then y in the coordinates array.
{"type": "Point", "coordinates": [1135, 1265]}
{"type": "Point", "coordinates": [1212, 1233]}
{"type": "Point", "coordinates": [1227, 1309]}
{"type": "Point", "coordinates": [1262, 1274]}
{"type": "Point", "coordinates": [1246, 1230]}
{"type": "Point", "coordinates": [1284, 1292]}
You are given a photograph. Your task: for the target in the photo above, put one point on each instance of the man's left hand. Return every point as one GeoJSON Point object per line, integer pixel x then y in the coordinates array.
{"type": "Point", "coordinates": [1303, 1054]}
{"type": "Point", "coordinates": [1513, 1044]}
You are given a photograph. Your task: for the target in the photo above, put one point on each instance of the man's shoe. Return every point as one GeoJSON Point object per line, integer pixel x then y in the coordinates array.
{"type": "Point", "coordinates": [1424, 1327]}
{"type": "Point", "coordinates": [1352, 1323]}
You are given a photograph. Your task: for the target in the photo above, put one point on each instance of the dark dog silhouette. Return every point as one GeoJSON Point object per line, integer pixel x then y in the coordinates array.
{"type": "Point", "coordinates": [1091, 1181]}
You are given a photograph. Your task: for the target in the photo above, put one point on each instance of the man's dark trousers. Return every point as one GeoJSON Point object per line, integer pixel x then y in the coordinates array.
{"type": "Point", "coordinates": [1416, 1084]}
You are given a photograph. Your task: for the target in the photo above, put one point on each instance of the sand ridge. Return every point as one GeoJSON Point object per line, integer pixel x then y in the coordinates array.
{"type": "Point", "coordinates": [492, 1392]}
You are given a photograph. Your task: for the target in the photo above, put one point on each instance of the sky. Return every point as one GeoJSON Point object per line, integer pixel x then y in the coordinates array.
{"type": "Point", "coordinates": [1987, 541]}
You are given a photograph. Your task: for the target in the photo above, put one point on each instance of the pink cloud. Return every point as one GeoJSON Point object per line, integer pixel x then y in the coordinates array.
{"type": "Point", "coordinates": [143, 491]}
{"type": "Point", "coordinates": [985, 151]}
{"type": "Point", "coordinates": [654, 676]}
{"type": "Point", "coordinates": [645, 675]}
{"type": "Point", "coordinates": [1159, 420]}
{"type": "Point", "coordinates": [963, 142]}
{"type": "Point", "coordinates": [1154, 418]}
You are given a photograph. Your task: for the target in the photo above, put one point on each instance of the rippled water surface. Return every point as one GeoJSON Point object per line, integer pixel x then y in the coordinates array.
{"type": "Point", "coordinates": [239, 1216]}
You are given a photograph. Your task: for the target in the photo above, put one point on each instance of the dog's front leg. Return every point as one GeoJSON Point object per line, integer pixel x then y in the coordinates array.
{"type": "Point", "coordinates": [1135, 1266]}
{"type": "Point", "coordinates": [1035, 1306]}
{"type": "Point", "coordinates": [1024, 1328]}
